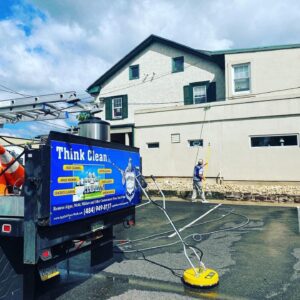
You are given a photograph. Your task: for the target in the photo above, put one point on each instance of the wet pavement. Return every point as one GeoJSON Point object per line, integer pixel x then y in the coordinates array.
{"type": "Point", "coordinates": [255, 250]}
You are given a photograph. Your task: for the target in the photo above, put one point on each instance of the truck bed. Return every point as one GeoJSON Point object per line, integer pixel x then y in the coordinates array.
{"type": "Point", "coordinates": [12, 206]}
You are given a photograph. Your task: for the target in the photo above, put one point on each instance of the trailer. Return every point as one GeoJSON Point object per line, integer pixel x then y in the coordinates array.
{"type": "Point", "coordinates": [76, 189]}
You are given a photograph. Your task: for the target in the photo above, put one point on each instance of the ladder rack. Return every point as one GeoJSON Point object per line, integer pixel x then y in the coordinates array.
{"type": "Point", "coordinates": [45, 107]}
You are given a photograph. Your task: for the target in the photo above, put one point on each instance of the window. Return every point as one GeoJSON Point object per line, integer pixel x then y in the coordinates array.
{"type": "Point", "coordinates": [177, 64]}
{"type": "Point", "coordinates": [117, 108]}
{"type": "Point", "coordinates": [199, 94]}
{"type": "Point", "coordinates": [241, 77]}
{"type": "Point", "coordinates": [153, 145]}
{"type": "Point", "coordinates": [134, 72]}
{"type": "Point", "coordinates": [195, 143]}
{"type": "Point", "coordinates": [175, 138]}
{"type": "Point", "coordinates": [274, 140]}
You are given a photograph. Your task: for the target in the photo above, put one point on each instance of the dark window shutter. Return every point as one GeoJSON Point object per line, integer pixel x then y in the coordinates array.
{"type": "Point", "coordinates": [187, 95]}
{"type": "Point", "coordinates": [173, 65]}
{"type": "Point", "coordinates": [108, 109]}
{"type": "Point", "coordinates": [130, 73]}
{"type": "Point", "coordinates": [125, 106]}
{"type": "Point", "coordinates": [211, 92]}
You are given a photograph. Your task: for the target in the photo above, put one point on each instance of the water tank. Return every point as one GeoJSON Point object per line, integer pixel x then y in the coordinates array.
{"type": "Point", "coordinates": [95, 128]}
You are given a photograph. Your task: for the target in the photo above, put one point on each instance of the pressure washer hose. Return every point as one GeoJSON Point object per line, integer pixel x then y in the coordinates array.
{"type": "Point", "coordinates": [161, 234]}
{"type": "Point", "coordinates": [142, 183]}
{"type": "Point", "coordinates": [193, 235]}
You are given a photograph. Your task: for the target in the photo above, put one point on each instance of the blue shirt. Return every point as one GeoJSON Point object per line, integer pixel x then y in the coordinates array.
{"type": "Point", "coordinates": [198, 173]}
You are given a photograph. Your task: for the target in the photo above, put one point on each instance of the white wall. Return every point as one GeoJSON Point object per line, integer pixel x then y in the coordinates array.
{"type": "Point", "coordinates": [228, 127]}
{"type": "Point", "coordinates": [156, 63]}
{"type": "Point", "coordinates": [270, 71]}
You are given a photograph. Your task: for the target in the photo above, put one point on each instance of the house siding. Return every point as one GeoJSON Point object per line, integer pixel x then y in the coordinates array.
{"type": "Point", "coordinates": [270, 71]}
{"type": "Point", "coordinates": [272, 107]}
{"type": "Point", "coordinates": [228, 128]}
{"type": "Point", "coordinates": [156, 62]}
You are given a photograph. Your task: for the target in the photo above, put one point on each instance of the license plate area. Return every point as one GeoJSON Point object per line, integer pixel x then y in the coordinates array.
{"type": "Point", "coordinates": [48, 273]}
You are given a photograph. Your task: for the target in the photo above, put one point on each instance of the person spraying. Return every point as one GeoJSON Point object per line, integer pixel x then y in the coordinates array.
{"type": "Point", "coordinates": [198, 178]}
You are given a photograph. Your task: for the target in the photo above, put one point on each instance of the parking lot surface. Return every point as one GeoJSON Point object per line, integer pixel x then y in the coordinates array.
{"type": "Point", "coordinates": [255, 250]}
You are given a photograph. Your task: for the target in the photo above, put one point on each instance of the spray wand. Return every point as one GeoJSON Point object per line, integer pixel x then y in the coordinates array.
{"type": "Point", "coordinates": [196, 276]}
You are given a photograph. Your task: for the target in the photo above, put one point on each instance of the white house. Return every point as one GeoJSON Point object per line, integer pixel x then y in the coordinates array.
{"type": "Point", "coordinates": [237, 109]}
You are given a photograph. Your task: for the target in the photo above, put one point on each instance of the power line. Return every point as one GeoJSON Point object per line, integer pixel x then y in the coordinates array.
{"type": "Point", "coordinates": [40, 95]}
{"type": "Point", "coordinates": [6, 91]}
{"type": "Point", "coordinates": [58, 110]}
{"type": "Point", "coordinates": [55, 125]}
{"type": "Point", "coordinates": [9, 90]}
{"type": "Point", "coordinates": [169, 73]}
{"type": "Point", "coordinates": [150, 80]}
{"type": "Point", "coordinates": [221, 98]}
{"type": "Point", "coordinates": [217, 100]}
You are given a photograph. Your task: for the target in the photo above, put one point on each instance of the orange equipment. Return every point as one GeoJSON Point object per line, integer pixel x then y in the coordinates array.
{"type": "Point", "coordinates": [3, 185]}
{"type": "Point", "coordinates": [15, 174]}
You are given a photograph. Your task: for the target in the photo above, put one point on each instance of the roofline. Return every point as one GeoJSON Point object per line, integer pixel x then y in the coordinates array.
{"type": "Point", "coordinates": [254, 49]}
{"type": "Point", "coordinates": [143, 45]}
{"type": "Point", "coordinates": [214, 56]}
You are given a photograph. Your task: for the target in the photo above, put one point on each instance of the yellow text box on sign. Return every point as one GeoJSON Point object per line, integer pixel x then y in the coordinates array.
{"type": "Point", "coordinates": [109, 192]}
{"type": "Point", "coordinates": [64, 192]}
{"type": "Point", "coordinates": [106, 181]}
{"type": "Point", "coordinates": [73, 167]}
{"type": "Point", "coordinates": [104, 171]}
{"type": "Point", "coordinates": [67, 179]}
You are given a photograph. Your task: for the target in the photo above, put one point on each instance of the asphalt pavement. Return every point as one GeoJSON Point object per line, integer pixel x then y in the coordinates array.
{"type": "Point", "coordinates": [255, 250]}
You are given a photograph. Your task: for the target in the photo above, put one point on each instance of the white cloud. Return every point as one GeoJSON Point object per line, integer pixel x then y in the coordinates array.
{"type": "Point", "coordinates": [4, 132]}
{"type": "Point", "coordinates": [13, 132]}
{"type": "Point", "coordinates": [77, 41]}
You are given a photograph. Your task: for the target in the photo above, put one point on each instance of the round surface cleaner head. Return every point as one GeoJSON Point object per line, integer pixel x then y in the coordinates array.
{"type": "Point", "coordinates": [204, 278]}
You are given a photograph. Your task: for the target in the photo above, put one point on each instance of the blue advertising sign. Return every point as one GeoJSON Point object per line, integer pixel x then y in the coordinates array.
{"type": "Point", "coordinates": [89, 180]}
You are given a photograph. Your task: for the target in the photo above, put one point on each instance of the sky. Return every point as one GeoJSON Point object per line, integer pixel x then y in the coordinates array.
{"type": "Point", "coordinates": [65, 45]}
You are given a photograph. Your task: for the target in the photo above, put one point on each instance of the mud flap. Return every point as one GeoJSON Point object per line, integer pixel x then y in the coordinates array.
{"type": "Point", "coordinates": [11, 268]}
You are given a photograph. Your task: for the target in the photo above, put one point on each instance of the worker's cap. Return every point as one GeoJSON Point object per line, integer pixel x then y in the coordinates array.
{"type": "Point", "coordinates": [200, 161]}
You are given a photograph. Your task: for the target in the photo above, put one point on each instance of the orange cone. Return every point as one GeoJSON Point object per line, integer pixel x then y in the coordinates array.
{"type": "Point", "coordinates": [15, 174]}
{"type": "Point", "coordinates": [3, 186]}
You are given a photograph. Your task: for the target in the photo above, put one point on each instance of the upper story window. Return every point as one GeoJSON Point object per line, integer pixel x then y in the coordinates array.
{"type": "Point", "coordinates": [177, 64]}
{"type": "Point", "coordinates": [199, 94]}
{"type": "Point", "coordinates": [241, 78]}
{"type": "Point", "coordinates": [117, 108]}
{"type": "Point", "coordinates": [134, 72]}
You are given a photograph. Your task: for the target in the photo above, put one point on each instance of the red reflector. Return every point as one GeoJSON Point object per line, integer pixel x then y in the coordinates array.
{"type": "Point", "coordinates": [6, 228]}
{"type": "Point", "coordinates": [46, 254]}
{"type": "Point", "coordinates": [131, 223]}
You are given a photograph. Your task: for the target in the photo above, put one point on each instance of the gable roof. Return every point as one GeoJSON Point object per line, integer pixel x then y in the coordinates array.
{"type": "Point", "coordinates": [95, 87]}
{"type": "Point", "coordinates": [213, 56]}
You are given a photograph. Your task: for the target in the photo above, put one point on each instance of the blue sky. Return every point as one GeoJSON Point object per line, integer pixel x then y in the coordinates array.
{"type": "Point", "coordinates": [55, 46]}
